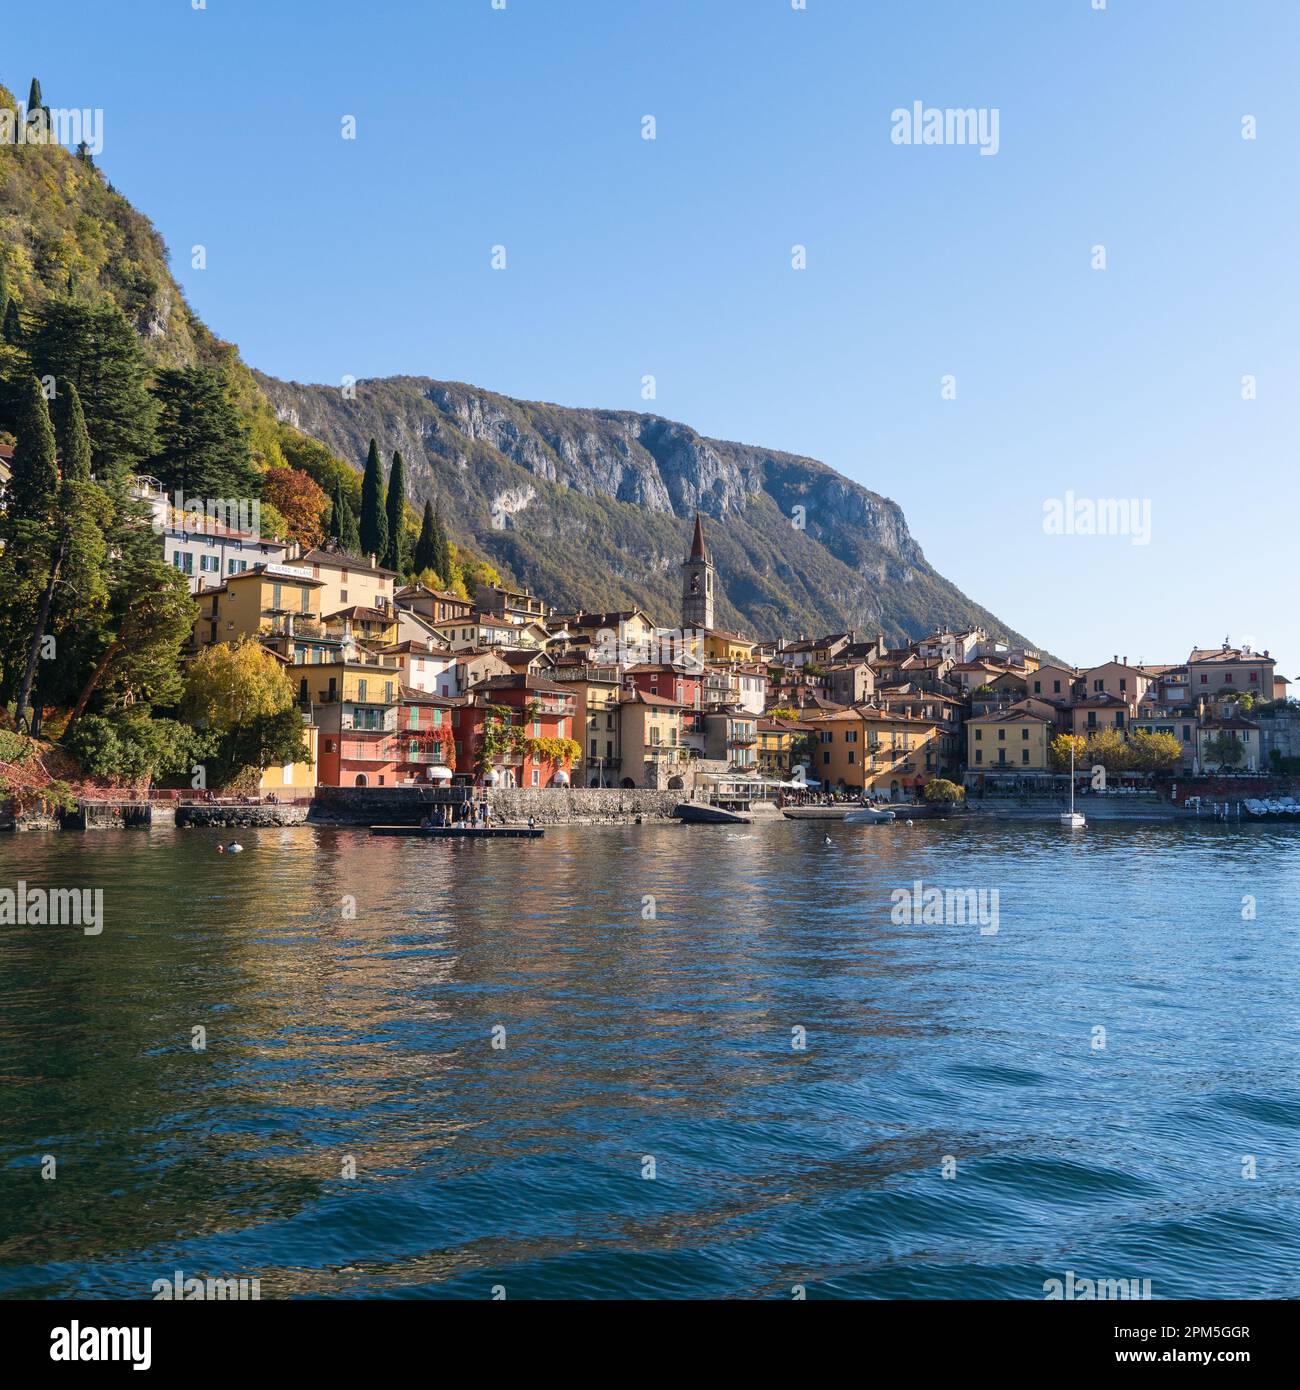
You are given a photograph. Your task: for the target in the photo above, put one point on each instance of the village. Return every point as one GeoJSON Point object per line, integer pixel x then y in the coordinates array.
{"type": "Point", "coordinates": [403, 686]}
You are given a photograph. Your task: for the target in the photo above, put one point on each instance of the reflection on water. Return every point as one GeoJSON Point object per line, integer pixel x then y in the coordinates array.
{"type": "Point", "coordinates": [350, 987]}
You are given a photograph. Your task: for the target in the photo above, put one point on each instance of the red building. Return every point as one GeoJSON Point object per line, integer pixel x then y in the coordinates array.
{"type": "Point", "coordinates": [425, 742]}
{"type": "Point", "coordinates": [668, 682]}
{"type": "Point", "coordinates": [526, 716]}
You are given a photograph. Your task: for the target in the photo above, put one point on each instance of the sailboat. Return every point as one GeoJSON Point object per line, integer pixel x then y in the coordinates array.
{"type": "Point", "coordinates": [1072, 818]}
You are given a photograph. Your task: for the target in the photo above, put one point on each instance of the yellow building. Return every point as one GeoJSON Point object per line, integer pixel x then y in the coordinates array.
{"type": "Point", "coordinates": [364, 625]}
{"type": "Point", "coordinates": [877, 751]}
{"type": "Point", "coordinates": [727, 646]}
{"type": "Point", "coordinates": [596, 722]}
{"type": "Point", "coordinates": [293, 779]}
{"type": "Point", "coordinates": [271, 600]}
{"type": "Point", "coordinates": [1010, 740]}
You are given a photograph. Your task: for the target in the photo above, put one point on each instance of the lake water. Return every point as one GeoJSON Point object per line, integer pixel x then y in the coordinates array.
{"type": "Point", "coordinates": [665, 1032]}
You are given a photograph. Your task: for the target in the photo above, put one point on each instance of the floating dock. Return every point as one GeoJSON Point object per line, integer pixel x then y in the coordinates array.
{"type": "Point", "coordinates": [461, 832]}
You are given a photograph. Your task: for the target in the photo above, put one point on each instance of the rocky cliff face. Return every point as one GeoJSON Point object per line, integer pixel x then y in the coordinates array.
{"type": "Point", "coordinates": [593, 508]}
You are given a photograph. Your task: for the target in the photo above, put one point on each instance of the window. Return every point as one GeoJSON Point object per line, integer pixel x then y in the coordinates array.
{"type": "Point", "coordinates": [343, 595]}
{"type": "Point", "coordinates": [1205, 680]}
{"type": "Point", "coordinates": [1123, 683]}
{"type": "Point", "coordinates": [1024, 755]}
{"type": "Point", "coordinates": [826, 758]}
{"type": "Point", "coordinates": [537, 778]}
{"type": "Point", "coordinates": [1254, 678]}
{"type": "Point", "coordinates": [1056, 687]}
{"type": "Point", "coordinates": [1038, 687]}
{"type": "Point", "coordinates": [979, 735]}
{"type": "Point", "coordinates": [1002, 735]}
{"type": "Point", "coordinates": [979, 755]}
{"type": "Point", "coordinates": [413, 719]}
{"type": "Point", "coordinates": [1227, 678]}
{"type": "Point", "coordinates": [853, 757]}
{"type": "Point", "coordinates": [1024, 734]}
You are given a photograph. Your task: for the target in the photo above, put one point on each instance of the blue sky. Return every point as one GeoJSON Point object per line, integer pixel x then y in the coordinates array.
{"type": "Point", "coordinates": [672, 257]}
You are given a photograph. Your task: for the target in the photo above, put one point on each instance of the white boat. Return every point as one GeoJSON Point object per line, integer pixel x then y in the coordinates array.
{"type": "Point", "coordinates": [868, 815]}
{"type": "Point", "coordinates": [1072, 819]}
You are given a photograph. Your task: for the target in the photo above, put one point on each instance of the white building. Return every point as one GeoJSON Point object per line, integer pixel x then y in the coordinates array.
{"type": "Point", "coordinates": [206, 552]}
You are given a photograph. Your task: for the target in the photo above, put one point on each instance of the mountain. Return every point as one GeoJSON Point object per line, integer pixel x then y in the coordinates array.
{"type": "Point", "coordinates": [588, 508]}
{"type": "Point", "coordinates": [594, 508]}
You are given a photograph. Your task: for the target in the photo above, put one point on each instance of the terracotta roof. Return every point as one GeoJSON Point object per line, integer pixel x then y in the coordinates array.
{"type": "Point", "coordinates": [1015, 714]}
{"type": "Point", "coordinates": [356, 611]}
{"type": "Point", "coordinates": [524, 682]}
{"type": "Point", "coordinates": [1210, 655]}
{"type": "Point", "coordinates": [641, 697]}
{"type": "Point", "coordinates": [338, 559]}
{"type": "Point", "coordinates": [419, 590]}
{"type": "Point", "coordinates": [426, 697]}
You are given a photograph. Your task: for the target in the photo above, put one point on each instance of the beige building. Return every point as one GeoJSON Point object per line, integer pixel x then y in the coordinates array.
{"type": "Point", "coordinates": [651, 737]}
{"type": "Point", "coordinates": [348, 581]}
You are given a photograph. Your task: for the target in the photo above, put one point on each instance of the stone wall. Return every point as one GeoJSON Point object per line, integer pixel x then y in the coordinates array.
{"type": "Point", "coordinates": [582, 805]}
{"type": "Point", "coordinates": [371, 805]}
{"type": "Point", "coordinates": [240, 815]}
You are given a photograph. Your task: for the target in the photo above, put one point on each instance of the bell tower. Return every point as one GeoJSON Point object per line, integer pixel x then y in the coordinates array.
{"type": "Point", "coordinates": [697, 583]}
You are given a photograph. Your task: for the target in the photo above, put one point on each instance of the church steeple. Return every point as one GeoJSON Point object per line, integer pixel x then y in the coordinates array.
{"type": "Point", "coordinates": [697, 582]}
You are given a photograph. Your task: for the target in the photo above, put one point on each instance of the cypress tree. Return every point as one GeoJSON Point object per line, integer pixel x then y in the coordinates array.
{"type": "Point", "coordinates": [12, 329]}
{"type": "Point", "coordinates": [30, 555]}
{"type": "Point", "coordinates": [34, 483]}
{"type": "Point", "coordinates": [442, 551]}
{"type": "Point", "coordinates": [334, 527]}
{"type": "Point", "coordinates": [395, 557]}
{"type": "Point", "coordinates": [373, 532]}
{"type": "Point", "coordinates": [350, 537]}
{"type": "Point", "coordinates": [73, 441]}
{"type": "Point", "coordinates": [426, 548]}
{"type": "Point", "coordinates": [35, 102]}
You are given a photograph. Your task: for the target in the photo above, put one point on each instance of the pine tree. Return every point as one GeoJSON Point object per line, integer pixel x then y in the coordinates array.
{"type": "Point", "coordinates": [426, 548]}
{"type": "Point", "coordinates": [97, 350]}
{"type": "Point", "coordinates": [374, 522]}
{"type": "Point", "coordinates": [202, 439]}
{"type": "Point", "coordinates": [73, 441]}
{"type": "Point", "coordinates": [395, 557]}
